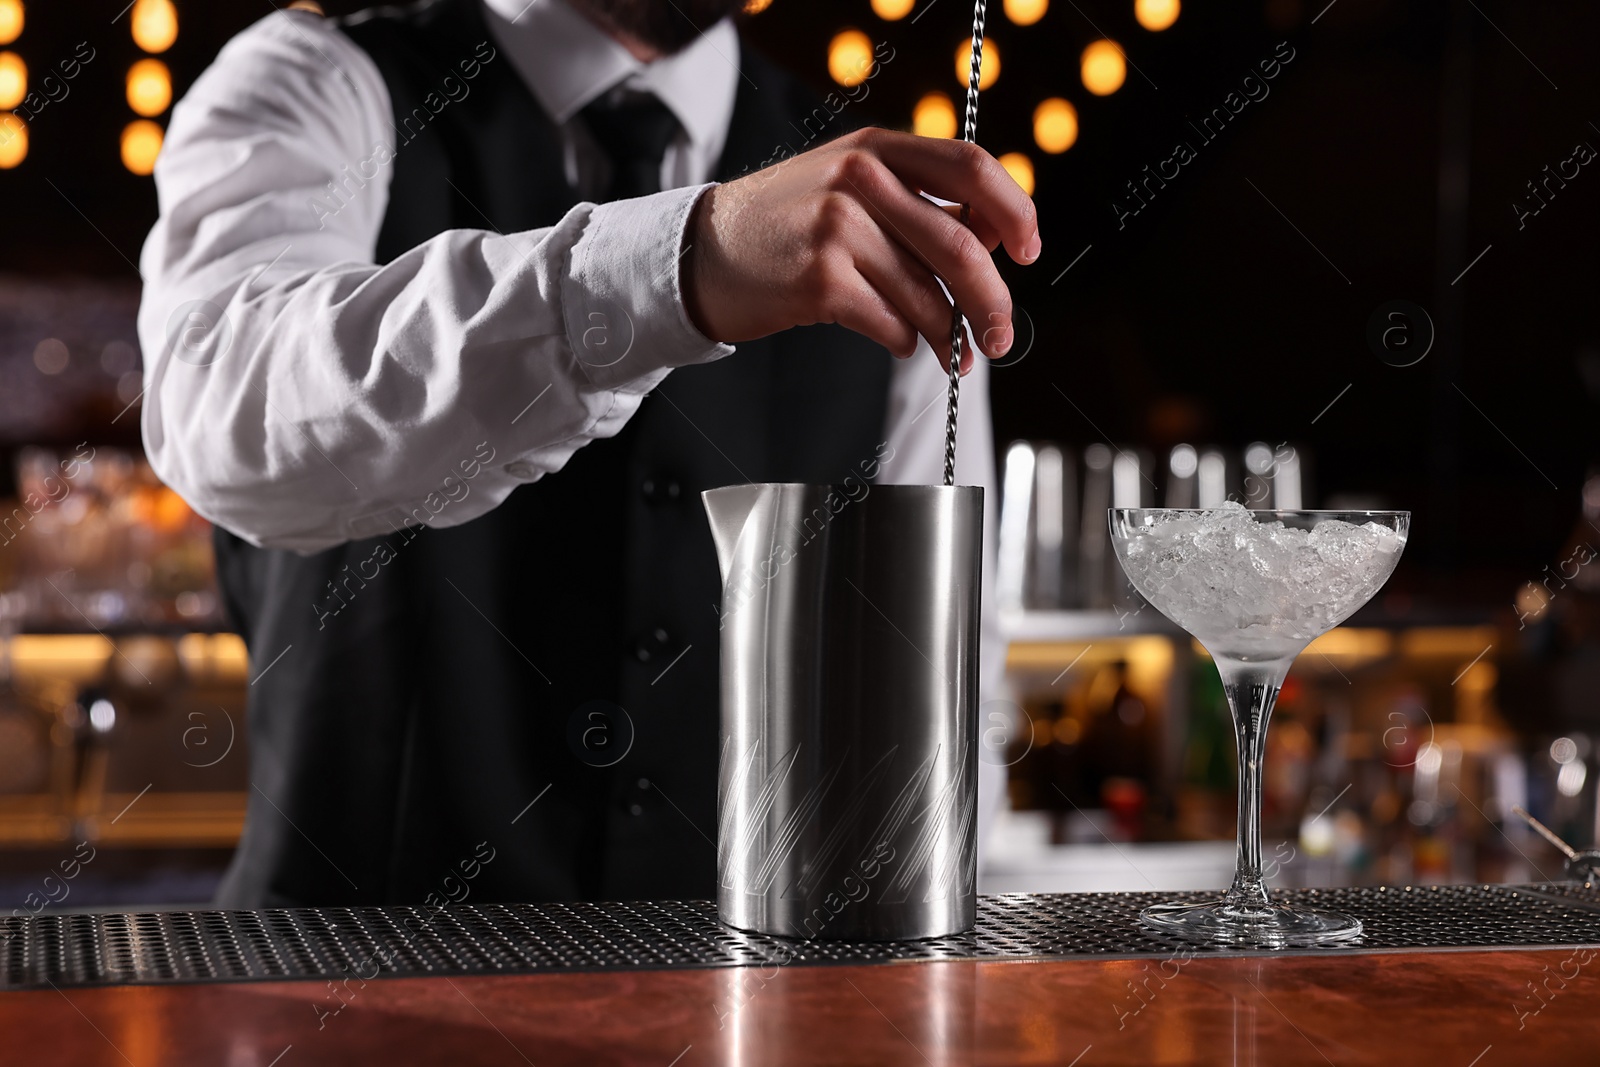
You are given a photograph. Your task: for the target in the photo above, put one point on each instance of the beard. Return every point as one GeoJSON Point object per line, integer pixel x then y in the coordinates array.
{"type": "Point", "coordinates": [669, 25]}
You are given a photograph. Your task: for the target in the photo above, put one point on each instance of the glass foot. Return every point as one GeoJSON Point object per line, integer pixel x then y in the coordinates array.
{"type": "Point", "coordinates": [1223, 925]}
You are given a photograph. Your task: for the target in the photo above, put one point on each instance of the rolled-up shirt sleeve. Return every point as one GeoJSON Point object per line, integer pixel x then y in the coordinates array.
{"type": "Point", "coordinates": [301, 395]}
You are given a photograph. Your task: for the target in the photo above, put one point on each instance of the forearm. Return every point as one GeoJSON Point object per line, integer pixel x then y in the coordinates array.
{"type": "Point", "coordinates": [313, 406]}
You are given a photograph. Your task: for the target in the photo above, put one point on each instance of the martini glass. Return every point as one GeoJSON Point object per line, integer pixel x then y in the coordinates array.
{"type": "Point", "coordinates": [1255, 588]}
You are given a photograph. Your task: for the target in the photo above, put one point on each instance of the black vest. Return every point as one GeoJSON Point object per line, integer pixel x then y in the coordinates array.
{"type": "Point", "coordinates": [474, 671]}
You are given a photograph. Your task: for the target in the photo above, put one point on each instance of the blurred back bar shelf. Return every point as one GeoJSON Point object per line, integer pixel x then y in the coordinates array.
{"type": "Point", "coordinates": [1388, 760]}
{"type": "Point", "coordinates": [1391, 757]}
{"type": "Point", "coordinates": [93, 542]}
{"type": "Point", "coordinates": [122, 701]}
{"type": "Point", "coordinates": [136, 741]}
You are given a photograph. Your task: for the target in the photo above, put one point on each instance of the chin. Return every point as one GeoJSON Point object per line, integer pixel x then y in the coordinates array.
{"type": "Point", "coordinates": [665, 25]}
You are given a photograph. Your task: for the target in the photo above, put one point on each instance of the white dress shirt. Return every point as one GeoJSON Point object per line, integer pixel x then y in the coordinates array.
{"type": "Point", "coordinates": [568, 64]}
{"type": "Point", "coordinates": [302, 395]}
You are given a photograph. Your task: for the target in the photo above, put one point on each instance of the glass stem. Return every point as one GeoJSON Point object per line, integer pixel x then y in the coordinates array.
{"type": "Point", "coordinates": [1252, 688]}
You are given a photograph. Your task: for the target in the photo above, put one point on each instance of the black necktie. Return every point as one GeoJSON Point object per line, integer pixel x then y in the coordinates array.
{"type": "Point", "coordinates": [634, 134]}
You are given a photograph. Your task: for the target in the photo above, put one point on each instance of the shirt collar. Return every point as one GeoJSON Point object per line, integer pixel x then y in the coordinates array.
{"type": "Point", "coordinates": [568, 61]}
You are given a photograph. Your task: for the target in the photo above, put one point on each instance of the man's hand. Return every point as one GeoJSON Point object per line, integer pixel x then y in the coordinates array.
{"type": "Point", "coordinates": [841, 234]}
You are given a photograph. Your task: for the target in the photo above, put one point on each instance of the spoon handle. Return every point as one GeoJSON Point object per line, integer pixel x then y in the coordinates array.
{"type": "Point", "coordinates": [1545, 832]}
{"type": "Point", "coordinates": [969, 133]}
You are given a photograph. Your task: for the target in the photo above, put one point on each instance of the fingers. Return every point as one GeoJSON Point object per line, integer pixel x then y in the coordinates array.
{"type": "Point", "coordinates": [860, 307]}
{"type": "Point", "coordinates": [911, 287]}
{"type": "Point", "coordinates": [942, 351]}
{"type": "Point", "coordinates": [965, 174]}
{"type": "Point", "coordinates": [947, 248]}
{"type": "Point", "coordinates": [980, 227]}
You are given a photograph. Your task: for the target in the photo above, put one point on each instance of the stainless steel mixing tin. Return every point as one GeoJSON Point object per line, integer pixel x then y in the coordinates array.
{"type": "Point", "coordinates": [848, 793]}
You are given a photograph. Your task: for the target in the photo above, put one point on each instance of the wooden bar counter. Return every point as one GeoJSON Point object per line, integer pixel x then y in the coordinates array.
{"type": "Point", "coordinates": [1442, 1009]}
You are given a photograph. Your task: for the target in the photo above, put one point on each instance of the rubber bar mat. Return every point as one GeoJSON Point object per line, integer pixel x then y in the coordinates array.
{"type": "Point", "coordinates": [314, 943]}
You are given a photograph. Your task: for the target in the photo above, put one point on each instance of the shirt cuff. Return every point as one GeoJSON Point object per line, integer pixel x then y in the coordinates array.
{"type": "Point", "coordinates": [621, 297]}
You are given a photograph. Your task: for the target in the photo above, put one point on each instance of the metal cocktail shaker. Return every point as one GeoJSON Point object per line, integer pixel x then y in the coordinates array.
{"type": "Point", "coordinates": [847, 804]}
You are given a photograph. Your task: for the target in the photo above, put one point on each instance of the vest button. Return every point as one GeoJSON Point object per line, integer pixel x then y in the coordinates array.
{"type": "Point", "coordinates": [652, 645]}
{"type": "Point", "coordinates": [660, 490]}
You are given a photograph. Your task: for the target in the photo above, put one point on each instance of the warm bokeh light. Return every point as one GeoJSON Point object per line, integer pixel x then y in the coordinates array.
{"type": "Point", "coordinates": [51, 356]}
{"type": "Point", "coordinates": [1055, 125]}
{"type": "Point", "coordinates": [1026, 12]}
{"type": "Point", "coordinates": [1156, 14]}
{"type": "Point", "coordinates": [141, 143]}
{"type": "Point", "coordinates": [1103, 68]}
{"type": "Point", "coordinates": [756, 7]}
{"type": "Point", "coordinates": [13, 141]}
{"type": "Point", "coordinates": [934, 116]}
{"type": "Point", "coordinates": [892, 10]}
{"type": "Point", "coordinates": [154, 24]}
{"type": "Point", "coordinates": [10, 20]}
{"type": "Point", "coordinates": [1020, 167]}
{"type": "Point", "coordinates": [989, 68]}
{"type": "Point", "coordinates": [149, 87]}
{"type": "Point", "coordinates": [850, 57]}
{"type": "Point", "coordinates": [13, 80]}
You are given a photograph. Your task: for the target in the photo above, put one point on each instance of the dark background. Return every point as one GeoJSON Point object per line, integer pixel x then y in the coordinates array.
{"type": "Point", "coordinates": [1234, 308]}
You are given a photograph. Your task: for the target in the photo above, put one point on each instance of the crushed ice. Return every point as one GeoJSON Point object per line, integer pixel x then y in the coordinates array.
{"type": "Point", "coordinates": [1258, 588]}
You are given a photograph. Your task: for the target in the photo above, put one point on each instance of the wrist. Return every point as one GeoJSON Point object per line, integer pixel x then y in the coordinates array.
{"type": "Point", "coordinates": [693, 265]}
{"type": "Point", "coordinates": [621, 287]}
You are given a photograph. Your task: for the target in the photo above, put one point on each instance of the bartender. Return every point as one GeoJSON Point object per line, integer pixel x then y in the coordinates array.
{"type": "Point", "coordinates": [440, 323]}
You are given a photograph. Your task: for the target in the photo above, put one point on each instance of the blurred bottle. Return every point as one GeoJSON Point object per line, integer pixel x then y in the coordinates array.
{"type": "Point", "coordinates": [1054, 539]}
{"type": "Point", "coordinates": [1581, 550]}
{"type": "Point", "coordinates": [1094, 551]}
{"type": "Point", "coordinates": [24, 733]}
{"type": "Point", "coordinates": [1275, 478]}
{"type": "Point", "coordinates": [1503, 840]}
{"type": "Point", "coordinates": [1030, 781]}
{"type": "Point", "coordinates": [1064, 791]}
{"type": "Point", "coordinates": [1119, 749]}
{"type": "Point", "coordinates": [1435, 786]}
{"type": "Point", "coordinates": [100, 542]}
{"type": "Point", "coordinates": [1208, 774]}
{"type": "Point", "coordinates": [1038, 566]}
{"type": "Point", "coordinates": [1213, 479]}
{"type": "Point", "coordinates": [1183, 478]}
{"type": "Point", "coordinates": [1132, 486]}
{"type": "Point", "coordinates": [1291, 753]}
